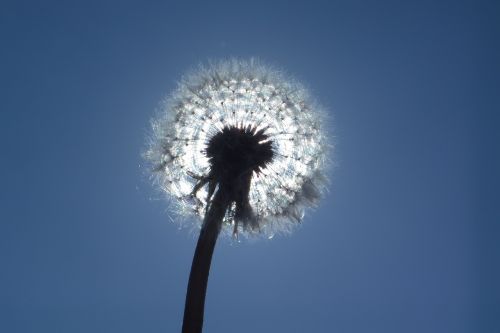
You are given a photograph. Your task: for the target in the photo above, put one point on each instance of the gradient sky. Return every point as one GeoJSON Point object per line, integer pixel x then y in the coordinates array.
{"type": "Point", "coordinates": [405, 240]}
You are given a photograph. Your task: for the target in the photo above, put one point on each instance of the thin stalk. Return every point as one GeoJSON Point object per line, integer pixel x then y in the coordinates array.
{"type": "Point", "coordinates": [200, 268]}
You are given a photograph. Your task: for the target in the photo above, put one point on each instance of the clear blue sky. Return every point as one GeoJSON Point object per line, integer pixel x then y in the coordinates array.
{"type": "Point", "coordinates": [405, 241]}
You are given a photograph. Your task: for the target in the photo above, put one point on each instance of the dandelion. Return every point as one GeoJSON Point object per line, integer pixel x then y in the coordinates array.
{"type": "Point", "coordinates": [240, 146]}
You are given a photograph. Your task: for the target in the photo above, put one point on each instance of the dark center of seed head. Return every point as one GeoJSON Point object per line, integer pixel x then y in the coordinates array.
{"type": "Point", "coordinates": [234, 154]}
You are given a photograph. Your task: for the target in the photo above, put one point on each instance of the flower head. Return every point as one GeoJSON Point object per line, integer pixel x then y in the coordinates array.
{"type": "Point", "coordinates": [246, 128]}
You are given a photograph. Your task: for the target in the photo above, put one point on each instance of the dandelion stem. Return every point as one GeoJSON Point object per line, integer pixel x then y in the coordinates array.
{"type": "Point", "coordinates": [200, 268]}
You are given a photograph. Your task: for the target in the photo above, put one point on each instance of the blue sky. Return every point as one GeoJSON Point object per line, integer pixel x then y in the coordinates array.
{"type": "Point", "coordinates": [406, 239]}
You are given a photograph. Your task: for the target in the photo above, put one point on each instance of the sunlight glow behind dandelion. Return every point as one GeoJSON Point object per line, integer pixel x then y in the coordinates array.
{"type": "Point", "coordinates": [241, 94]}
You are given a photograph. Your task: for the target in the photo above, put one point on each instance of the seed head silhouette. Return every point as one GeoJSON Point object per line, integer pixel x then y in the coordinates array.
{"type": "Point", "coordinates": [241, 146]}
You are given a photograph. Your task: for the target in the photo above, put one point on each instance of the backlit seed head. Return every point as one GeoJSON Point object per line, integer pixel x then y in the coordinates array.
{"type": "Point", "coordinates": [248, 129]}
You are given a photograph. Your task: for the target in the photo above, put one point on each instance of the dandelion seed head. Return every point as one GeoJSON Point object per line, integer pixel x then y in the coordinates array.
{"type": "Point", "coordinates": [265, 122]}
